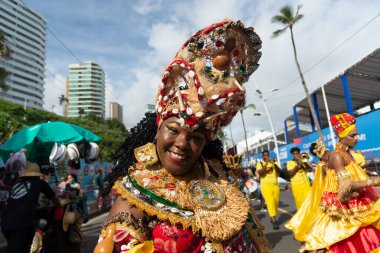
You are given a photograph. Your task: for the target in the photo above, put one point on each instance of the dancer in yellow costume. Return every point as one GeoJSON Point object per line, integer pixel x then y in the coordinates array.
{"type": "Point", "coordinates": [343, 213]}
{"type": "Point", "coordinates": [299, 222]}
{"type": "Point", "coordinates": [299, 180]}
{"type": "Point", "coordinates": [270, 189]}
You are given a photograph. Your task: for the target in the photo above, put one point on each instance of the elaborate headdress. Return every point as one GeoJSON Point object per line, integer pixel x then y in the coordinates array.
{"type": "Point", "coordinates": [320, 148]}
{"type": "Point", "coordinates": [343, 124]}
{"type": "Point", "coordinates": [203, 84]}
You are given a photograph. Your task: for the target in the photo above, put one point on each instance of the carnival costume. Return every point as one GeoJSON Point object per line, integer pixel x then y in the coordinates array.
{"type": "Point", "coordinates": [201, 211]}
{"type": "Point", "coordinates": [334, 216]}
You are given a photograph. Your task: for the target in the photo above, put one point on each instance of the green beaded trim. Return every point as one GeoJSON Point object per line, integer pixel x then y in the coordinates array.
{"type": "Point", "coordinates": [154, 196]}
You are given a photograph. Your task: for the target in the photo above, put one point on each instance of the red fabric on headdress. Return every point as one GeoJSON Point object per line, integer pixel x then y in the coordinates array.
{"type": "Point", "coordinates": [343, 124]}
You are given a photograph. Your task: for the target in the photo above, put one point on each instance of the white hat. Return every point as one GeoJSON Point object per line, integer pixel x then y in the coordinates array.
{"type": "Point", "coordinates": [61, 154]}
{"type": "Point", "coordinates": [72, 152]}
{"type": "Point", "coordinates": [58, 154]}
{"type": "Point", "coordinates": [94, 151]}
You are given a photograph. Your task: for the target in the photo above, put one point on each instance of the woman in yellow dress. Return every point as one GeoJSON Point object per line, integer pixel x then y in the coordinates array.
{"type": "Point", "coordinates": [174, 192]}
{"type": "Point", "coordinates": [344, 214]}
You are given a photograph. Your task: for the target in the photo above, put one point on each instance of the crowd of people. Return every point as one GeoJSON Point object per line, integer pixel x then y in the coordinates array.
{"type": "Point", "coordinates": [37, 213]}
{"type": "Point", "coordinates": [174, 191]}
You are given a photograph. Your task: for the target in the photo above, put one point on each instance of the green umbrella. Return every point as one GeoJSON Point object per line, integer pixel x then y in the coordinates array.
{"type": "Point", "coordinates": [39, 139]}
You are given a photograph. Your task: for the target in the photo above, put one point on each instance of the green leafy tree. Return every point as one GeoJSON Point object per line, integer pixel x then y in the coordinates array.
{"type": "Point", "coordinates": [4, 54]}
{"type": "Point", "coordinates": [250, 106]}
{"type": "Point", "coordinates": [288, 18]}
{"type": "Point", "coordinates": [81, 112]}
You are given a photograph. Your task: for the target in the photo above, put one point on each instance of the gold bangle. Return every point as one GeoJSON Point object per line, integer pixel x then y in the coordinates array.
{"type": "Point", "coordinates": [342, 175]}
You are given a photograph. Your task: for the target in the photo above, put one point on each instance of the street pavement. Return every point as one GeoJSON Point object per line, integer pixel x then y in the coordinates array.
{"type": "Point", "coordinates": [280, 240]}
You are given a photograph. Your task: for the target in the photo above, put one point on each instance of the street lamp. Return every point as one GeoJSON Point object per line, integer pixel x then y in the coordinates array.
{"type": "Point", "coordinates": [260, 94]}
{"type": "Point", "coordinates": [52, 108]}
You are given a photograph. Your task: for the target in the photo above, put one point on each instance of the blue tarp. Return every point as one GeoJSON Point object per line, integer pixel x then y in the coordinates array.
{"type": "Point", "coordinates": [369, 140]}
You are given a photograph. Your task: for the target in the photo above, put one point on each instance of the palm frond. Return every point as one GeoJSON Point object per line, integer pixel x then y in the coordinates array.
{"type": "Point", "coordinates": [277, 33]}
{"type": "Point", "coordinates": [298, 17]}
{"type": "Point", "coordinates": [287, 11]}
{"type": "Point", "coordinates": [298, 9]}
{"type": "Point", "coordinates": [280, 19]}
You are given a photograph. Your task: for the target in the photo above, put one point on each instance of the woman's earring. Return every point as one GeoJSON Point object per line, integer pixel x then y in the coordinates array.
{"type": "Point", "coordinates": [146, 154]}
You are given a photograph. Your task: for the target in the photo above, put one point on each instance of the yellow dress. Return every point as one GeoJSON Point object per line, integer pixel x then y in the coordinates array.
{"type": "Point", "coordinates": [359, 158]}
{"type": "Point", "coordinates": [300, 184]}
{"type": "Point", "coordinates": [323, 221]}
{"type": "Point", "coordinates": [270, 188]}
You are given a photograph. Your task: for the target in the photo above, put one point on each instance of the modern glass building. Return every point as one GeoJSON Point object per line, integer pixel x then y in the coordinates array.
{"type": "Point", "coordinates": [25, 34]}
{"type": "Point", "coordinates": [86, 90]}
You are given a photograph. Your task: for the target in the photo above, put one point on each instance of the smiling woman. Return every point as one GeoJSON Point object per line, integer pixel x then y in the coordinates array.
{"type": "Point", "coordinates": [179, 148]}
{"type": "Point", "coordinates": [176, 196]}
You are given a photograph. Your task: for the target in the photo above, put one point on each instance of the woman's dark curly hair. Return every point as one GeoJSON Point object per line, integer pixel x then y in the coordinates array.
{"type": "Point", "coordinates": [144, 132]}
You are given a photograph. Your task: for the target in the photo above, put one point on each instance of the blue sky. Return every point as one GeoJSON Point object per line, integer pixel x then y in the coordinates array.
{"type": "Point", "coordinates": [134, 40]}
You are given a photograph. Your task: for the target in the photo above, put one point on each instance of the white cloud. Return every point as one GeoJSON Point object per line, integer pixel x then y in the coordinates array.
{"type": "Point", "coordinates": [145, 7]}
{"type": "Point", "coordinates": [139, 40]}
{"type": "Point", "coordinates": [54, 88]}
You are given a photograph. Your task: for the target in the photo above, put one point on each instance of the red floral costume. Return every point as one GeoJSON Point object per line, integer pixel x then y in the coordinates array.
{"type": "Point", "coordinates": [324, 221]}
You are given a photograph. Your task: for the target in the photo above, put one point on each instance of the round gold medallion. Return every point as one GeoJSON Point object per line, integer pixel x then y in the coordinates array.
{"type": "Point", "coordinates": [206, 194]}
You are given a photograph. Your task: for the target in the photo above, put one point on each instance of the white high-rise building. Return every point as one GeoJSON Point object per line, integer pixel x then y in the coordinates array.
{"type": "Point", "coordinates": [86, 90]}
{"type": "Point", "coordinates": [25, 35]}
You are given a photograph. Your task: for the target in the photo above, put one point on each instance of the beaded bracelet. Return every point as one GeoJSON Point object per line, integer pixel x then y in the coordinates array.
{"type": "Point", "coordinates": [342, 175]}
{"type": "Point", "coordinates": [124, 217]}
{"type": "Point", "coordinates": [372, 182]}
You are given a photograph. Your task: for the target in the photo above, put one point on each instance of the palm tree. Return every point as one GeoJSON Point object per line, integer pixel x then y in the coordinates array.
{"type": "Point", "coordinates": [81, 112]}
{"type": "Point", "coordinates": [250, 106]}
{"type": "Point", "coordinates": [5, 54]}
{"type": "Point", "coordinates": [289, 19]}
{"type": "Point", "coordinates": [62, 102]}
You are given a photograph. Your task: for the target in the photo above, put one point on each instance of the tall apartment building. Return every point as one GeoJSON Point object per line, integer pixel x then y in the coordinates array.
{"type": "Point", "coordinates": [86, 89]}
{"type": "Point", "coordinates": [116, 111]}
{"type": "Point", "coordinates": [25, 34]}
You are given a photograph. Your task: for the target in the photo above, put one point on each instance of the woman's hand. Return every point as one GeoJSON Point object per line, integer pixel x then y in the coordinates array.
{"type": "Point", "coordinates": [374, 182]}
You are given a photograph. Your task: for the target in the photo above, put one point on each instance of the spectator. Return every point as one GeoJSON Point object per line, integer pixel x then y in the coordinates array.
{"type": "Point", "coordinates": [19, 219]}
{"type": "Point", "coordinates": [98, 182]}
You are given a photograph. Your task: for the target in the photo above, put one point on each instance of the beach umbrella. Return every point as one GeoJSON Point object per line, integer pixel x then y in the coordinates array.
{"type": "Point", "coordinates": [38, 140]}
